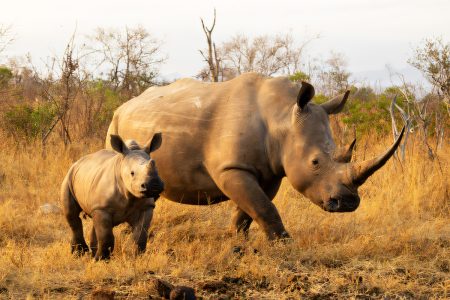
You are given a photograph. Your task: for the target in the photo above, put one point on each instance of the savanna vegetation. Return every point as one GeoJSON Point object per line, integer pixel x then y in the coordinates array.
{"type": "Point", "coordinates": [395, 246]}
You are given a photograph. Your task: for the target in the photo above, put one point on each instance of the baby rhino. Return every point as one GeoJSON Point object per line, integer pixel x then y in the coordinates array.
{"type": "Point", "coordinates": [112, 187]}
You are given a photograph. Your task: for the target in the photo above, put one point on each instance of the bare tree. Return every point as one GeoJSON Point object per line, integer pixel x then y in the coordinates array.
{"type": "Point", "coordinates": [407, 123]}
{"type": "Point", "coordinates": [333, 77]}
{"type": "Point", "coordinates": [131, 59]}
{"type": "Point", "coordinates": [267, 55]}
{"type": "Point", "coordinates": [212, 59]}
{"type": "Point", "coordinates": [60, 86]}
{"type": "Point", "coordinates": [433, 60]}
{"type": "Point", "coordinates": [419, 113]}
{"type": "Point", "coordinates": [6, 37]}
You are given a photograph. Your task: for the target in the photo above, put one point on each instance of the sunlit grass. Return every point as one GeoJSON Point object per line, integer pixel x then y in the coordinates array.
{"type": "Point", "coordinates": [395, 244]}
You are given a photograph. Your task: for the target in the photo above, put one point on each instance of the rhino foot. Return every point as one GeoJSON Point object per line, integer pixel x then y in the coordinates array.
{"type": "Point", "coordinates": [79, 249]}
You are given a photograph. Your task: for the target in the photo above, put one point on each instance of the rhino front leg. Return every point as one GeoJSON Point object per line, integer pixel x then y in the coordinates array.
{"type": "Point", "coordinates": [104, 233]}
{"type": "Point", "coordinates": [241, 221]}
{"type": "Point", "coordinates": [140, 226]}
{"type": "Point", "coordinates": [243, 188]}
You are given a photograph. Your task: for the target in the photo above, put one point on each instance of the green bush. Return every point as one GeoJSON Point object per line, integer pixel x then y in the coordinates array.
{"type": "Point", "coordinates": [5, 76]}
{"type": "Point", "coordinates": [111, 100]}
{"type": "Point", "coordinates": [368, 116]}
{"type": "Point", "coordinates": [28, 121]}
{"type": "Point", "coordinates": [299, 76]}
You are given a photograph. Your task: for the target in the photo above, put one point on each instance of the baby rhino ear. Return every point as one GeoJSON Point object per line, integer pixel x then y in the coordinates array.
{"type": "Point", "coordinates": [154, 143]}
{"type": "Point", "coordinates": [118, 145]}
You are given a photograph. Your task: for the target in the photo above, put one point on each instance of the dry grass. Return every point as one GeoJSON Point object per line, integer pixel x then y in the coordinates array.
{"type": "Point", "coordinates": [395, 245]}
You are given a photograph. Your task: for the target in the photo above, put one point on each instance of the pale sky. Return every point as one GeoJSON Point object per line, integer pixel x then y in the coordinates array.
{"type": "Point", "coordinates": [370, 34]}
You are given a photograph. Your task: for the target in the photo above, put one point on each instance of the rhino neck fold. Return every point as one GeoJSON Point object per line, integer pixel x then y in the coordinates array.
{"type": "Point", "coordinates": [118, 175]}
{"type": "Point", "coordinates": [277, 128]}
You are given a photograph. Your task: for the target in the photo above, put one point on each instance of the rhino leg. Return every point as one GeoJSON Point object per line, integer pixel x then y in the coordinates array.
{"type": "Point", "coordinates": [104, 233]}
{"type": "Point", "coordinates": [243, 188]}
{"type": "Point", "coordinates": [93, 242]}
{"type": "Point", "coordinates": [72, 213]}
{"type": "Point", "coordinates": [140, 225]}
{"type": "Point", "coordinates": [241, 221]}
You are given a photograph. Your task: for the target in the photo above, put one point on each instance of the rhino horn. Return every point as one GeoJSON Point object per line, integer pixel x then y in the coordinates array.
{"type": "Point", "coordinates": [151, 165]}
{"type": "Point", "coordinates": [344, 154]}
{"type": "Point", "coordinates": [362, 170]}
{"type": "Point", "coordinates": [336, 104]}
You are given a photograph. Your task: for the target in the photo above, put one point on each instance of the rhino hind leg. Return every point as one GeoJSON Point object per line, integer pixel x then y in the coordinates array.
{"type": "Point", "coordinates": [241, 221]}
{"type": "Point", "coordinates": [72, 213]}
{"type": "Point", "coordinates": [93, 242]}
{"type": "Point", "coordinates": [103, 227]}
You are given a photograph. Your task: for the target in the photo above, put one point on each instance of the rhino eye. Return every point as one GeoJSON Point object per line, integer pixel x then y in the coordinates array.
{"type": "Point", "coordinates": [315, 162]}
{"type": "Point", "coordinates": [132, 173]}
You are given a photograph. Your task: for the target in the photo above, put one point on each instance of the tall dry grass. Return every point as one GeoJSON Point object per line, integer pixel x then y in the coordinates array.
{"type": "Point", "coordinates": [395, 245]}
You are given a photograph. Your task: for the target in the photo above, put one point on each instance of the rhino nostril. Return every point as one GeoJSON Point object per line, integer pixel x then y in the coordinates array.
{"type": "Point", "coordinates": [333, 204]}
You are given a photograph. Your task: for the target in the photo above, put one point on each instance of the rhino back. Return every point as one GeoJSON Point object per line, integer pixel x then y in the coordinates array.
{"type": "Point", "coordinates": [207, 127]}
{"type": "Point", "coordinates": [93, 181]}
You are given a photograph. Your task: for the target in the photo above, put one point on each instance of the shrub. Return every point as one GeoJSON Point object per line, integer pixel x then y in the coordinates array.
{"type": "Point", "coordinates": [28, 121]}
{"type": "Point", "coordinates": [5, 76]}
{"type": "Point", "coordinates": [368, 116]}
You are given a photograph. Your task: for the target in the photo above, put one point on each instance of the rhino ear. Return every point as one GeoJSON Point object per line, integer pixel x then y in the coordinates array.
{"type": "Point", "coordinates": [154, 143]}
{"type": "Point", "coordinates": [118, 145]}
{"type": "Point", "coordinates": [336, 104]}
{"type": "Point", "coordinates": [305, 95]}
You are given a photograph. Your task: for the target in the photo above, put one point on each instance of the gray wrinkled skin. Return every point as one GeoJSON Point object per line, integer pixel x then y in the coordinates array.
{"type": "Point", "coordinates": [237, 140]}
{"type": "Point", "coordinates": [112, 187]}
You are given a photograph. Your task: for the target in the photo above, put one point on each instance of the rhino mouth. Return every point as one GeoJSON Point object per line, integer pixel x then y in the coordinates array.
{"type": "Point", "coordinates": [339, 204]}
{"type": "Point", "coordinates": [152, 189]}
{"type": "Point", "coordinates": [151, 194]}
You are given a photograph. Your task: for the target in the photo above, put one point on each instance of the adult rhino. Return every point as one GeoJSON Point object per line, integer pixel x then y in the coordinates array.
{"type": "Point", "coordinates": [237, 140]}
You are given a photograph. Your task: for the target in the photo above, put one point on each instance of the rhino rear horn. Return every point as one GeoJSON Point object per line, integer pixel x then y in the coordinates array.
{"type": "Point", "coordinates": [344, 154]}
{"type": "Point", "coordinates": [305, 95]}
{"type": "Point", "coordinates": [336, 104]}
{"type": "Point", "coordinates": [362, 170]}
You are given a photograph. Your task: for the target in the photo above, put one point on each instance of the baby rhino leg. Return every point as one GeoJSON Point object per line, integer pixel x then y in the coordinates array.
{"type": "Point", "coordinates": [140, 224]}
{"type": "Point", "coordinates": [72, 213]}
{"type": "Point", "coordinates": [104, 232]}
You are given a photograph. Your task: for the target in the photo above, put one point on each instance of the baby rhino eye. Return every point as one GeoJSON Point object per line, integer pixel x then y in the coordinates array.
{"type": "Point", "coordinates": [315, 162]}
{"type": "Point", "coordinates": [132, 173]}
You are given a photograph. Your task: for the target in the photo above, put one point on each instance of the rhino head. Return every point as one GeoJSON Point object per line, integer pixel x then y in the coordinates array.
{"type": "Point", "coordinates": [137, 169]}
{"type": "Point", "coordinates": [313, 164]}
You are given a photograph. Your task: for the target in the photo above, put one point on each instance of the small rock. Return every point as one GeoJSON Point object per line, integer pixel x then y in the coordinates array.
{"type": "Point", "coordinates": [49, 208]}
{"type": "Point", "coordinates": [182, 293]}
{"type": "Point", "coordinates": [102, 294]}
{"type": "Point", "coordinates": [161, 287]}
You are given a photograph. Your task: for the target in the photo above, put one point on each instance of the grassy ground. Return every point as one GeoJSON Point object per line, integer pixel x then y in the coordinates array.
{"type": "Point", "coordinates": [395, 245]}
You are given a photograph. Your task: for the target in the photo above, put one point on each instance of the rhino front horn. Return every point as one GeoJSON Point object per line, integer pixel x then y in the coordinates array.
{"type": "Point", "coordinates": [362, 170]}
